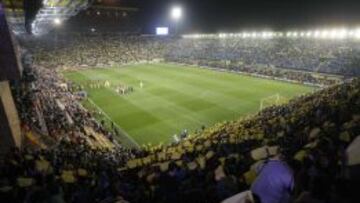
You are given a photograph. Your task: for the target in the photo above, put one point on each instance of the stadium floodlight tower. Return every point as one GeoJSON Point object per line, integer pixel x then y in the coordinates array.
{"type": "Point", "coordinates": [176, 14]}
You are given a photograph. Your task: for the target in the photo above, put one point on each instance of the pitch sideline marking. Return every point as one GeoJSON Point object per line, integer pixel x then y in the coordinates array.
{"type": "Point", "coordinates": [108, 117]}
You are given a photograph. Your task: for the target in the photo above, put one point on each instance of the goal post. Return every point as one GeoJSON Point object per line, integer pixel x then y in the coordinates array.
{"type": "Point", "coordinates": [272, 100]}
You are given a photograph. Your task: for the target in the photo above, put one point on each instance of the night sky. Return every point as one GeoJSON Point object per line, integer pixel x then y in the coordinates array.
{"type": "Point", "coordinates": [209, 16]}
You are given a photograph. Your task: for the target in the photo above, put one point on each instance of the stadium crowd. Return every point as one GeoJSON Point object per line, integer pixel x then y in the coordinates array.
{"type": "Point", "coordinates": [292, 59]}
{"type": "Point", "coordinates": [310, 134]}
{"type": "Point", "coordinates": [74, 50]}
{"type": "Point", "coordinates": [49, 108]}
{"type": "Point", "coordinates": [301, 149]}
{"type": "Point", "coordinates": [313, 55]}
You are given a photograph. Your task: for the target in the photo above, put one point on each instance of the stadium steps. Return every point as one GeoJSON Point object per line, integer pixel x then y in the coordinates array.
{"type": "Point", "coordinates": [97, 140]}
{"type": "Point", "coordinates": [34, 140]}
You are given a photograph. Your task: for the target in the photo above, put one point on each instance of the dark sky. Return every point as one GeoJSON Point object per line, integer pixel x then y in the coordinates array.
{"type": "Point", "coordinates": [236, 15]}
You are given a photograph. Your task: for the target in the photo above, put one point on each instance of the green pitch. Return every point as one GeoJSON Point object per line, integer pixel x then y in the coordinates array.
{"type": "Point", "coordinates": [174, 98]}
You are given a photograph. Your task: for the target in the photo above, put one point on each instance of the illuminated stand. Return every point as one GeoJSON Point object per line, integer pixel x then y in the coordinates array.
{"type": "Point", "coordinates": [325, 34]}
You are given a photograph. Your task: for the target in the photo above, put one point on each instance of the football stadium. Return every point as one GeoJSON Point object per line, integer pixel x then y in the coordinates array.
{"type": "Point", "coordinates": [161, 101]}
{"type": "Point", "coordinates": [196, 96]}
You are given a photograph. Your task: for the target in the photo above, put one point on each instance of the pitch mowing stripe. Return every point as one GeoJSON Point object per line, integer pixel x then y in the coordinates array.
{"type": "Point", "coordinates": [216, 96]}
{"type": "Point", "coordinates": [175, 96]}
{"type": "Point", "coordinates": [154, 98]}
{"type": "Point", "coordinates": [222, 76]}
{"type": "Point", "coordinates": [199, 81]}
{"type": "Point", "coordinates": [139, 106]}
{"type": "Point", "coordinates": [190, 115]}
{"type": "Point", "coordinates": [168, 123]}
{"type": "Point", "coordinates": [232, 101]}
{"type": "Point", "coordinates": [134, 143]}
{"type": "Point", "coordinates": [235, 100]}
{"type": "Point", "coordinates": [108, 117]}
{"type": "Point", "coordinates": [200, 89]}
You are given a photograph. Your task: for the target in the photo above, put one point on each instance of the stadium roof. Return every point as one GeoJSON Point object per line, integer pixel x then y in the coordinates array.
{"type": "Point", "coordinates": [230, 15]}
{"type": "Point", "coordinates": [53, 12]}
{"type": "Point", "coordinates": [15, 15]}
{"type": "Point", "coordinates": [41, 16]}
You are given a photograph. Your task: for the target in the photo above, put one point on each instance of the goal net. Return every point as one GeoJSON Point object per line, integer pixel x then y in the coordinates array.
{"type": "Point", "coordinates": [272, 100]}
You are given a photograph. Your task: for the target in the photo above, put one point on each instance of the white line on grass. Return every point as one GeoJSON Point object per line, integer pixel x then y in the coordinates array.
{"type": "Point", "coordinates": [108, 117]}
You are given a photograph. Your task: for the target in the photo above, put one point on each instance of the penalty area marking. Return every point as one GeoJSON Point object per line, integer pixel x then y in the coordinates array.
{"type": "Point", "coordinates": [108, 117]}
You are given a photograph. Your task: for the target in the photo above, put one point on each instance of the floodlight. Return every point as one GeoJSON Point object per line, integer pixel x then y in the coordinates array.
{"type": "Point", "coordinates": [334, 34]}
{"type": "Point", "coordinates": [324, 34]}
{"type": "Point", "coordinates": [316, 34]}
{"type": "Point", "coordinates": [57, 21]}
{"type": "Point", "coordinates": [357, 33]}
{"type": "Point", "coordinates": [176, 13]}
{"type": "Point", "coordinates": [341, 33]}
{"type": "Point", "coordinates": [267, 34]}
{"type": "Point", "coordinates": [222, 35]}
{"type": "Point", "coordinates": [264, 35]}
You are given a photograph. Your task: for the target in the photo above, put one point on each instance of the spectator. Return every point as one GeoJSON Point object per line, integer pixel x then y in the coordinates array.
{"type": "Point", "coordinates": [275, 182]}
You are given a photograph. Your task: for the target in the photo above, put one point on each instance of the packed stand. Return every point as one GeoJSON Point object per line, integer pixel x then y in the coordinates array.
{"type": "Point", "coordinates": [48, 107]}
{"type": "Point", "coordinates": [309, 135]}
{"type": "Point", "coordinates": [94, 50]}
{"type": "Point", "coordinates": [304, 144]}
{"type": "Point", "coordinates": [312, 61]}
{"type": "Point", "coordinates": [313, 55]}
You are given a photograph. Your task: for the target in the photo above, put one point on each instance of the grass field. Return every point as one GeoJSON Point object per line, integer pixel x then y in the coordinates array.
{"type": "Point", "coordinates": [176, 97]}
